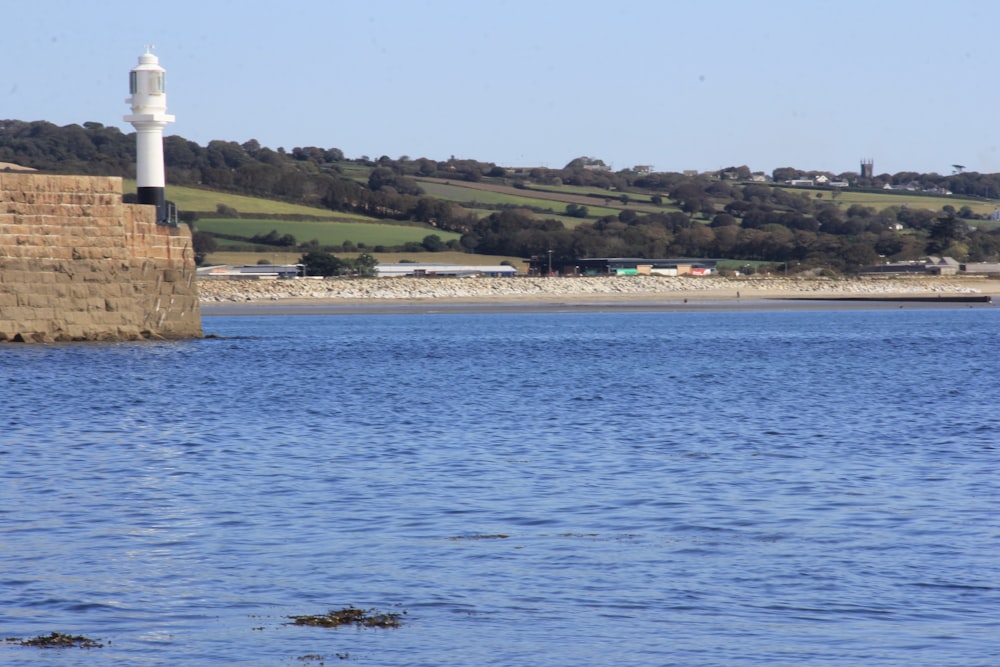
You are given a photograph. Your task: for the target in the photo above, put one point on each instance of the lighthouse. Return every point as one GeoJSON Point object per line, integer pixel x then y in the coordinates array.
{"type": "Point", "coordinates": [149, 116]}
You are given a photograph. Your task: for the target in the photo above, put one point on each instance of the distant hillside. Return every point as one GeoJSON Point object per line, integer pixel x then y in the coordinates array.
{"type": "Point", "coordinates": [251, 196]}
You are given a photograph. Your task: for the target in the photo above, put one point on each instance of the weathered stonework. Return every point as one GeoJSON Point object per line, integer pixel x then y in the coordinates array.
{"type": "Point", "coordinates": [78, 264]}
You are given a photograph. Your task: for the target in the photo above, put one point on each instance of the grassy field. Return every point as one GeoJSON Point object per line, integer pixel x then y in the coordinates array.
{"type": "Point", "coordinates": [554, 199]}
{"type": "Point", "coordinates": [471, 196]}
{"type": "Point", "coordinates": [337, 227]}
{"type": "Point", "coordinates": [327, 233]}
{"type": "Point", "coordinates": [595, 194]}
{"type": "Point", "coordinates": [356, 172]}
{"type": "Point", "coordinates": [199, 200]}
{"type": "Point", "coordinates": [240, 258]}
{"type": "Point", "coordinates": [881, 201]}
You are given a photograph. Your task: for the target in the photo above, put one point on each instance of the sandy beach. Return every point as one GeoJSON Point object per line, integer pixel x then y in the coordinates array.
{"type": "Point", "coordinates": [367, 295]}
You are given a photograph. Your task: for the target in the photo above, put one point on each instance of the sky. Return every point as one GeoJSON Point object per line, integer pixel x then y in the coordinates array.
{"type": "Point", "coordinates": [669, 83]}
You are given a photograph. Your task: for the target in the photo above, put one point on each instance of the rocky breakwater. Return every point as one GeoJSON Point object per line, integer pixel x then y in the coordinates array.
{"type": "Point", "coordinates": [532, 288]}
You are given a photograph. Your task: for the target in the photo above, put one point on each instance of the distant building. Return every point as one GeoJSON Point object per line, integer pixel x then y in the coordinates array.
{"type": "Point", "coordinates": [424, 270]}
{"type": "Point", "coordinates": [251, 271]}
{"type": "Point", "coordinates": [981, 267]}
{"type": "Point", "coordinates": [941, 266]}
{"type": "Point", "coordinates": [867, 169]}
{"type": "Point", "coordinates": [632, 266]}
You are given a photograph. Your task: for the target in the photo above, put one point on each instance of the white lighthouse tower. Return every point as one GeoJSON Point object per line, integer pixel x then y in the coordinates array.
{"type": "Point", "coordinates": [149, 116]}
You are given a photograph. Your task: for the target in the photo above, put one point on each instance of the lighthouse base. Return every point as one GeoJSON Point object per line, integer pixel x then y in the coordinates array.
{"type": "Point", "coordinates": [156, 197]}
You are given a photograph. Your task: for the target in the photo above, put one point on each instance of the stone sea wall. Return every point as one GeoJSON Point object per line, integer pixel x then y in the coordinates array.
{"type": "Point", "coordinates": [78, 264]}
{"type": "Point", "coordinates": [483, 288]}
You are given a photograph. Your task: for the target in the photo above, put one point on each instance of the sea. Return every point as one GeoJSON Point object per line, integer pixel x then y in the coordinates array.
{"type": "Point", "coordinates": [743, 487]}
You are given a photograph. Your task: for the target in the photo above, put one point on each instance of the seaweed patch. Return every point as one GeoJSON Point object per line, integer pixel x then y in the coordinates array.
{"type": "Point", "coordinates": [350, 616]}
{"type": "Point", "coordinates": [57, 640]}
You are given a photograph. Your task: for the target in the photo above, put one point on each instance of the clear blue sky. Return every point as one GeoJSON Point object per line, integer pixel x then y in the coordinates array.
{"type": "Point", "coordinates": [678, 85]}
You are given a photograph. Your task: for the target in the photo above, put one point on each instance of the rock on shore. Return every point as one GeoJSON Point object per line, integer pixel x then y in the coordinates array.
{"type": "Point", "coordinates": [483, 288]}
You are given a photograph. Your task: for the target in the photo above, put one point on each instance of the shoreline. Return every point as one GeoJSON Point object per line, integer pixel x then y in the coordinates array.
{"type": "Point", "coordinates": [588, 294]}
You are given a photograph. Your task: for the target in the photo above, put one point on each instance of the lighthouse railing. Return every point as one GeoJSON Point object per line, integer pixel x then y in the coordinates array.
{"type": "Point", "coordinates": [171, 217]}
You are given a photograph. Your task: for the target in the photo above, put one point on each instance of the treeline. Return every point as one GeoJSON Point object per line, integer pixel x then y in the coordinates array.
{"type": "Point", "coordinates": [751, 222]}
{"type": "Point", "coordinates": [678, 235]}
{"type": "Point", "coordinates": [726, 214]}
{"type": "Point", "coordinates": [249, 168]}
{"type": "Point", "coordinates": [307, 175]}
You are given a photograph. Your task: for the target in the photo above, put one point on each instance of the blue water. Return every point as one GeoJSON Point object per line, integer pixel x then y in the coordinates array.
{"type": "Point", "coordinates": [714, 488]}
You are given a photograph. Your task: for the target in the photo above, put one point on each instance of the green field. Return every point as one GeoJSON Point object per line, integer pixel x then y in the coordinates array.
{"type": "Point", "coordinates": [355, 172]}
{"type": "Point", "coordinates": [884, 200]}
{"type": "Point", "coordinates": [487, 194]}
{"type": "Point", "coordinates": [240, 258]}
{"type": "Point", "coordinates": [327, 233]}
{"type": "Point", "coordinates": [199, 200]}
{"type": "Point", "coordinates": [472, 196]}
{"type": "Point", "coordinates": [594, 193]}
{"type": "Point", "coordinates": [335, 228]}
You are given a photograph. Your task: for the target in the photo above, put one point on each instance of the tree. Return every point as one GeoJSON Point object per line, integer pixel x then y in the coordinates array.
{"type": "Point", "coordinates": [628, 216]}
{"type": "Point", "coordinates": [724, 220]}
{"type": "Point", "coordinates": [319, 263]}
{"type": "Point", "coordinates": [227, 211]}
{"type": "Point", "coordinates": [782, 174]}
{"type": "Point", "coordinates": [830, 219]}
{"type": "Point", "coordinates": [741, 173]}
{"type": "Point", "coordinates": [272, 238]}
{"type": "Point", "coordinates": [379, 178]}
{"type": "Point", "coordinates": [203, 245]}
{"type": "Point", "coordinates": [432, 243]}
{"type": "Point", "coordinates": [944, 233]}
{"type": "Point", "coordinates": [756, 192]}
{"type": "Point", "coordinates": [365, 265]}
{"type": "Point", "coordinates": [858, 255]}
{"type": "Point", "coordinates": [859, 211]}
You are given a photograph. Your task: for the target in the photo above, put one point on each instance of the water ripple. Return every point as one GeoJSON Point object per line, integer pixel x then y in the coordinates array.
{"type": "Point", "coordinates": [562, 489]}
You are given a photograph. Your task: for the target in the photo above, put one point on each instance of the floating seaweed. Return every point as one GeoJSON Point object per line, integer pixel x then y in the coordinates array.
{"type": "Point", "coordinates": [350, 616]}
{"type": "Point", "coordinates": [57, 640]}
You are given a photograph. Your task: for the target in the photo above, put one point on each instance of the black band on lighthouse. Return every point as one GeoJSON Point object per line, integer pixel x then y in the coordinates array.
{"type": "Point", "coordinates": [155, 197]}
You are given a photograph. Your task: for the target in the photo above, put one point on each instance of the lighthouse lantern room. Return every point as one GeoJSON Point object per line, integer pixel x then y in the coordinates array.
{"type": "Point", "coordinates": [149, 116]}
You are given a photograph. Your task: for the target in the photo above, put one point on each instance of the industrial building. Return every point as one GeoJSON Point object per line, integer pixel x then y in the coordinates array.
{"type": "Point", "coordinates": [251, 271]}
{"type": "Point", "coordinates": [626, 266]}
{"type": "Point", "coordinates": [417, 269]}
